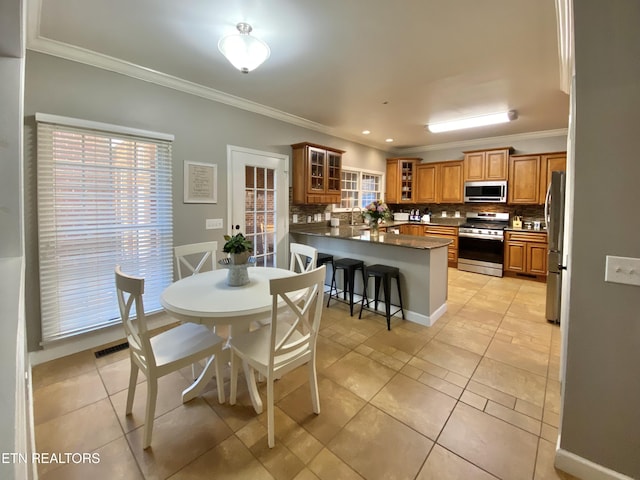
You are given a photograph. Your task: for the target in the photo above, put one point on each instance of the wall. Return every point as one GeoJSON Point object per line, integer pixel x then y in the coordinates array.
{"type": "Point", "coordinates": [16, 420]}
{"type": "Point", "coordinates": [601, 415]}
{"type": "Point", "coordinates": [11, 70]}
{"type": "Point", "coordinates": [202, 130]}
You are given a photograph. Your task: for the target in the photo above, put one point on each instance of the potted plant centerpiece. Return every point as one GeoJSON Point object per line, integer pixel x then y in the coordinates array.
{"type": "Point", "coordinates": [239, 250]}
{"type": "Point", "coordinates": [376, 213]}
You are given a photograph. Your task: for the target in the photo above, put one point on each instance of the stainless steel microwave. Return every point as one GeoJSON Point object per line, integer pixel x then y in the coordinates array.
{"type": "Point", "coordinates": [488, 191]}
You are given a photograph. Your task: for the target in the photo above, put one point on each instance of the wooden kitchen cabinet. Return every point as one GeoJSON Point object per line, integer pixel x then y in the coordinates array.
{"type": "Point", "coordinates": [440, 182]}
{"type": "Point", "coordinates": [450, 233]}
{"type": "Point", "coordinates": [550, 162]}
{"type": "Point", "coordinates": [401, 180]}
{"type": "Point", "coordinates": [529, 176]}
{"type": "Point", "coordinates": [525, 252]}
{"type": "Point", "coordinates": [524, 179]}
{"type": "Point", "coordinates": [411, 229]}
{"type": "Point", "coordinates": [451, 182]}
{"type": "Point", "coordinates": [427, 183]}
{"type": "Point", "coordinates": [316, 174]}
{"type": "Point", "coordinates": [482, 165]}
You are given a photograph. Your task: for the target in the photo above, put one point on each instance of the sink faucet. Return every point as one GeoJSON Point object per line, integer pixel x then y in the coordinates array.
{"type": "Point", "coordinates": [353, 209]}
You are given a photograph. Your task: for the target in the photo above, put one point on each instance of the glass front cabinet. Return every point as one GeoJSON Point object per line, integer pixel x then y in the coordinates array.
{"type": "Point", "coordinates": [316, 174]}
{"type": "Point", "coordinates": [401, 180]}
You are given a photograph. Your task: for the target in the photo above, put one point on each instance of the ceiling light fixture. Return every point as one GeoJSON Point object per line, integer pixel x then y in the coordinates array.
{"type": "Point", "coordinates": [389, 140]}
{"type": "Point", "coordinates": [480, 121]}
{"type": "Point", "coordinates": [245, 52]}
{"type": "Point", "coordinates": [366, 132]}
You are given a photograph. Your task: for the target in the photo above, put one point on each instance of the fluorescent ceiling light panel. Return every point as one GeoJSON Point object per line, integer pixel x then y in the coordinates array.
{"type": "Point", "coordinates": [492, 119]}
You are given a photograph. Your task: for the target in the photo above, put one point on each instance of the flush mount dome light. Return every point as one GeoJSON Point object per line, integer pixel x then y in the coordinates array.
{"type": "Point", "coordinates": [480, 121]}
{"type": "Point", "coordinates": [245, 52]}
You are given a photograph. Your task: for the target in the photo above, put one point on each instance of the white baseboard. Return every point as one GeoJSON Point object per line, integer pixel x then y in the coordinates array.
{"type": "Point", "coordinates": [426, 320]}
{"type": "Point", "coordinates": [92, 340]}
{"type": "Point", "coordinates": [585, 469]}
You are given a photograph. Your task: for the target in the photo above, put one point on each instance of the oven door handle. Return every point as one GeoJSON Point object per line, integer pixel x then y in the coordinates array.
{"type": "Point", "coordinates": [482, 237]}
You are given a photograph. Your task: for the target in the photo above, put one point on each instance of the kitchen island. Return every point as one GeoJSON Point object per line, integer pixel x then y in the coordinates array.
{"type": "Point", "coordinates": [422, 262]}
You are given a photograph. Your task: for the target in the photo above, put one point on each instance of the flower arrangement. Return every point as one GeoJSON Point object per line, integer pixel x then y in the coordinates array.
{"type": "Point", "coordinates": [376, 212]}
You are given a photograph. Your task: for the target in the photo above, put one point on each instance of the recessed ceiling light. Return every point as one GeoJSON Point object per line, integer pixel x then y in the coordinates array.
{"type": "Point", "coordinates": [389, 140]}
{"type": "Point", "coordinates": [472, 122]}
{"type": "Point", "coordinates": [366, 132]}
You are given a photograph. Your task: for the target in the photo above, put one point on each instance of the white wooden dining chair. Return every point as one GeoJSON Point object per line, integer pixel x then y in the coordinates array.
{"type": "Point", "coordinates": [286, 343]}
{"type": "Point", "coordinates": [161, 354]}
{"type": "Point", "coordinates": [190, 259]}
{"type": "Point", "coordinates": [303, 257]}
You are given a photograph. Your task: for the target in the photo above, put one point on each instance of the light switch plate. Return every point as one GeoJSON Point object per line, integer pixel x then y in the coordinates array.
{"type": "Point", "coordinates": [213, 223]}
{"type": "Point", "coordinates": [622, 270]}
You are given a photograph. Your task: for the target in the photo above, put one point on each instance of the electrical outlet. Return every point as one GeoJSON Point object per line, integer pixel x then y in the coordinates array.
{"type": "Point", "coordinates": [622, 270]}
{"type": "Point", "coordinates": [213, 223]}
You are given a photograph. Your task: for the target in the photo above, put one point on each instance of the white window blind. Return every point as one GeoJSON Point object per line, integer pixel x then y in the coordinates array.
{"type": "Point", "coordinates": [104, 198]}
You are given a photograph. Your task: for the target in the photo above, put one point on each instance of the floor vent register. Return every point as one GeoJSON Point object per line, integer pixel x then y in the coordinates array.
{"type": "Point", "coordinates": [113, 349]}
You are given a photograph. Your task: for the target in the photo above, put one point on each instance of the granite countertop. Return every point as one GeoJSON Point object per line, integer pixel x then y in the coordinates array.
{"type": "Point", "coordinates": [446, 221]}
{"type": "Point", "coordinates": [361, 233]}
{"type": "Point", "coordinates": [530, 230]}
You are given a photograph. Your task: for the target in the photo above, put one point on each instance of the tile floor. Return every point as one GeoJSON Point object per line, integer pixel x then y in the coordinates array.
{"type": "Point", "coordinates": [474, 397]}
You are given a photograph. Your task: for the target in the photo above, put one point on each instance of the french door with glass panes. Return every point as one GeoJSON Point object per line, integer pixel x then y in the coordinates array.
{"type": "Point", "coordinates": [259, 188]}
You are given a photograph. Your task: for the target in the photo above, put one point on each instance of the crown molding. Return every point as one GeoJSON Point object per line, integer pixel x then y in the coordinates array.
{"type": "Point", "coordinates": [485, 141]}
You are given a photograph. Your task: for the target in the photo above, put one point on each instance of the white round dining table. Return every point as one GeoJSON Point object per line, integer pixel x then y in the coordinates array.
{"type": "Point", "coordinates": [206, 298]}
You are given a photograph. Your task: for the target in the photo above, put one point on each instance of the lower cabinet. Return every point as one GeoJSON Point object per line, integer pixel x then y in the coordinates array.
{"type": "Point", "coordinates": [409, 229]}
{"type": "Point", "coordinates": [450, 233]}
{"type": "Point", "coordinates": [525, 252]}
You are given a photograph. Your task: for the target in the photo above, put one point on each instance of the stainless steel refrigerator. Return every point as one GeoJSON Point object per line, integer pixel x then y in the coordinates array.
{"type": "Point", "coordinates": [554, 217]}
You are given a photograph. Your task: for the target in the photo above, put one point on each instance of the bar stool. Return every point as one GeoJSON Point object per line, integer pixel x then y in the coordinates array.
{"type": "Point", "coordinates": [348, 267]}
{"type": "Point", "coordinates": [382, 274]}
{"type": "Point", "coordinates": [324, 259]}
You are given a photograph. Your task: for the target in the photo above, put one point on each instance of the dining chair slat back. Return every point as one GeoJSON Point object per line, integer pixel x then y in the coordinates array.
{"type": "Point", "coordinates": [191, 258]}
{"type": "Point", "coordinates": [286, 343]}
{"type": "Point", "coordinates": [163, 353]}
{"type": "Point", "coordinates": [303, 257]}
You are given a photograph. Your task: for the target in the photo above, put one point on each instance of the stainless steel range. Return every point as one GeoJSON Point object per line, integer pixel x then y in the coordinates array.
{"type": "Point", "coordinates": [481, 243]}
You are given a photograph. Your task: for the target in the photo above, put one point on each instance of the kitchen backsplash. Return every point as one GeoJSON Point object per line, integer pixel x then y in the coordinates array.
{"type": "Point", "coordinates": [532, 213]}
{"type": "Point", "coordinates": [529, 213]}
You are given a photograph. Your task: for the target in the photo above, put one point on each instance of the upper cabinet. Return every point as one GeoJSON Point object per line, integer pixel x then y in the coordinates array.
{"type": "Point", "coordinates": [427, 183]}
{"type": "Point", "coordinates": [550, 162]}
{"type": "Point", "coordinates": [529, 176]}
{"type": "Point", "coordinates": [401, 180]}
{"type": "Point", "coordinates": [524, 179]}
{"type": "Point", "coordinates": [316, 174]}
{"type": "Point", "coordinates": [439, 182]}
{"type": "Point", "coordinates": [486, 164]}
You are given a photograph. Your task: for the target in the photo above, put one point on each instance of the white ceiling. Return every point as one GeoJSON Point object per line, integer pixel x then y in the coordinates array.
{"type": "Point", "coordinates": [340, 66]}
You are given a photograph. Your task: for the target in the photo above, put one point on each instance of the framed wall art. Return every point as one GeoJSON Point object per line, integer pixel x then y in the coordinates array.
{"type": "Point", "coordinates": [200, 182]}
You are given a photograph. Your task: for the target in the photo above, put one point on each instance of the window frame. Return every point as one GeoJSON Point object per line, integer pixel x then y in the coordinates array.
{"type": "Point", "coordinates": [105, 197]}
{"type": "Point", "coordinates": [360, 171]}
